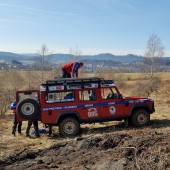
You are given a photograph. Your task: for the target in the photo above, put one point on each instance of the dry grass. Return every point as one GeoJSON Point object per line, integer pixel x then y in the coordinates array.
{"type": "Point", "coordinates": [10, 144]}
{"type": "Point", "coordinates": [160, 122]}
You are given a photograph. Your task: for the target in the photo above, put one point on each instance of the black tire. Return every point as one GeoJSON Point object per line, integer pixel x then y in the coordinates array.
{"type": "Point", "coordinates": [69, 127]}
{"type": "Point", "coordinates": [28, 109]}
{"type": "Point", "coordinates": [140, 118]}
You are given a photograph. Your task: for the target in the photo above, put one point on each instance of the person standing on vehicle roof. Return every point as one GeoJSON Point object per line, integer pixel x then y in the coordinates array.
{"type": "Point", "coordinates": [71, 69]}
{"type": "Point", "coordinates": [15, 123]}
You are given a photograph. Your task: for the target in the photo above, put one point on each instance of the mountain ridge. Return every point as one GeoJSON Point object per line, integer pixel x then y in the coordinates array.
{"type": "Point", "coordinates": [8, 56]}
{"type": "Point", "coordinates": [60, 58]}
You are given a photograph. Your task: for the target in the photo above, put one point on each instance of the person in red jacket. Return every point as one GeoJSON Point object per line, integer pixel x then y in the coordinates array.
{"type": "Point", "coordinates": [71, 69]}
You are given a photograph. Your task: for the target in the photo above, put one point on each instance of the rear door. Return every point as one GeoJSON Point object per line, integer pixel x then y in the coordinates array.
{"type": "Point", "coordinates": [31, 94]}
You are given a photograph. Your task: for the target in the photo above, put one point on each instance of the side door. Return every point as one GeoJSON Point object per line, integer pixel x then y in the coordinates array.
{"type": "Point", "coordinates": [111, 103]}
{"type": "Point", "coordinates": [88, 109]}
{"type": "Point", "coordinates": [56, 103]}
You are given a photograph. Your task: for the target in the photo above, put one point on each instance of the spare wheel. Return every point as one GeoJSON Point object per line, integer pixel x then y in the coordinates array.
{"type": "Point", "coordinates": [28, 108]}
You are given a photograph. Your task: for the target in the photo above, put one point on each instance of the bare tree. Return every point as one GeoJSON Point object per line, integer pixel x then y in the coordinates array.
{"type": "Point", "coordinates": [153, 54]}
{"type": "Point", "coordinates": [151, 65]}
{"type": "Point", "coordinates": [75, 54]}
{"type": "Point", "coordinates": [44, 52]}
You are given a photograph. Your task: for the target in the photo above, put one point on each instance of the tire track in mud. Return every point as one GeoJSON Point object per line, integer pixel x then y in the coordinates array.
{"type": "Point", "coordinates": [108, 151]}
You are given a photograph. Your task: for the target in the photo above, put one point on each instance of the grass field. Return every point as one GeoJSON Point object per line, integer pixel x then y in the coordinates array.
{"type": "Point", "coordinates": [160, 122]}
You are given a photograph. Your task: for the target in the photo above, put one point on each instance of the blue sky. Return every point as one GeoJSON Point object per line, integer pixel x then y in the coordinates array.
{"type": "Point", "coordinates": [93, 26]}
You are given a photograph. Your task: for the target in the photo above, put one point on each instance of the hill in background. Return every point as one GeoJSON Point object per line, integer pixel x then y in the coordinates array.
{"type": "Point", "coordinates": [100, 60]}
{"type": "Point", "coordinates": [58, 58]}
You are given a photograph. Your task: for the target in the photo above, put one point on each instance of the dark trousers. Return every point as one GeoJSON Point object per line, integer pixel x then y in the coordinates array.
{"type": "Point", "coordinates": [65, 74]}
{"type": "Point", "coordinates": [35, 123]}
{"type": "Point", "coordinates": [15, 124]}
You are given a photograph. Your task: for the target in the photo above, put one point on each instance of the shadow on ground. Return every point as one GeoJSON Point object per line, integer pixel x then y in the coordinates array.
{"type": "Point", "coordinates": [154, 124]}
{"type": "Point", "coordinates": [164, 123]}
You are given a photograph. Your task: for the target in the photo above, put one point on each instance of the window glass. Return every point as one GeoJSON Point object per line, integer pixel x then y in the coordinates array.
{"type": "Point", "coordinates": [87, 95]}
{"type": "Point", "coordinates": [32, 95]}
{"type": "Point", "coordinates": [109, 93]}
{"type": "Point", "coordinates": [57, 97]}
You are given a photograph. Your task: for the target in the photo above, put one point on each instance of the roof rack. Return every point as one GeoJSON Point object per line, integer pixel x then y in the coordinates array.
{"type": "Point", "coordinates": [70, 83]}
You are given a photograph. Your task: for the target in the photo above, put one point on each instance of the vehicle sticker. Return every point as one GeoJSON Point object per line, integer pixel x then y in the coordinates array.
{"type": "Point", "coordinates": [112, 110]}
{"type": "Point", "coordinates": [92, 112]}
{"type": "Point", "coordinates": [96, 105]}
{"type": "Point", "coordinates": [52, 88]}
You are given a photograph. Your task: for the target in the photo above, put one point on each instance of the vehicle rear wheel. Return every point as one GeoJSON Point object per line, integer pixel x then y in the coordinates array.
{"type": "Point", "coordinates": [28, 108]}
{"type": "Point", "coordinates": [140, 118]}
{"type": "Point", "coordinates": [69, 127]}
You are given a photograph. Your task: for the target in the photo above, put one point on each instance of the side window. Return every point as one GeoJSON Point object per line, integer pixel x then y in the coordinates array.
{"type": "Point", "coordinates": [87, 95]}
{"type": "Point", "coordinates": [57, 97]}
{"type": "Point", "coordinates": [109, 93]}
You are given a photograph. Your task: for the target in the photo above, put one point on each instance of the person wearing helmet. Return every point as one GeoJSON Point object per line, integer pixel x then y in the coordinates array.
{"type": "Point", "coordinates": [71, 69]}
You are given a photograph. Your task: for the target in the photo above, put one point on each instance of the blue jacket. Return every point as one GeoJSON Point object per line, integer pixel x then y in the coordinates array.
{"type": "Point", "coordinates": [76, 66]}
{"type": "Point", "coordinates": [13, 105]}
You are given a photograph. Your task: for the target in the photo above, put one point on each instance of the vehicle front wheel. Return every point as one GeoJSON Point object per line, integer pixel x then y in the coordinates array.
{"type": "Point", "coordinates": [140, 118]}
{"type": "Point", "coordinates": [69, 127]}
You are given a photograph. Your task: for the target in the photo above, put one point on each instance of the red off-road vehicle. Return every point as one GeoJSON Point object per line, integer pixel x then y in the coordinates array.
{"type": "Point", "coordinates": [67, 103]}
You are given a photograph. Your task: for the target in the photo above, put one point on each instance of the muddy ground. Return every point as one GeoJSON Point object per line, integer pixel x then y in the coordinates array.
{"type": "Point", "coordinates": [115, 148]}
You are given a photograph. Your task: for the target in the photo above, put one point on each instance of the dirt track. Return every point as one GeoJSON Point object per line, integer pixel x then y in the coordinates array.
{"type": "Point", "coordinates": [136, 150]}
